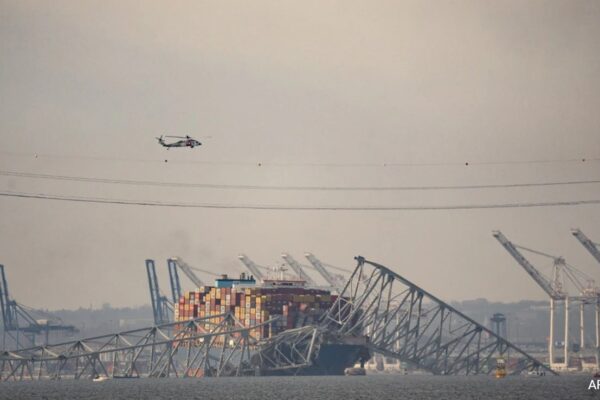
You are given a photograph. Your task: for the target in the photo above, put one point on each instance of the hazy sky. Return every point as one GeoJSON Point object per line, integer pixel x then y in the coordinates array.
{"type": "Point", "coordinates": [87, 86]}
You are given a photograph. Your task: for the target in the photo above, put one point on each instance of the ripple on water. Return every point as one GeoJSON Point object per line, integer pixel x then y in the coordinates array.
{"type": "Point", "coordinates": [374, 387]}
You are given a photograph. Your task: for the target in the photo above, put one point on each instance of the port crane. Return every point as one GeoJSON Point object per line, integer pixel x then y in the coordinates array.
{"type": "Point", "coordinates": [556, 291]}
{"type": "Point", "coordinates": [592, 247]}
{"type": "Point", "coordinates": [162, 309]}
{"type": "Point", "coordinates": [594, 250]}
{"type": "Point", "coordinates": [14, 315]}
{"type": "Point", "coordinates": [318, 265]}
{"type": "Point", "coordinates": [176, 263]}
{"type": "Point", "coordinates": [298, 269]}
{"type": "Point", "coordinates": [334, 281]}
{"type": "Point", "coordinates": [174, 280]}
{"type": "Point", "coordinates": [189, 271]}
{"type": "Point", "coordinates": [553, 288]}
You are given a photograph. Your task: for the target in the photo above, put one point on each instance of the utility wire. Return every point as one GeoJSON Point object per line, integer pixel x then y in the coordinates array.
{"type": "Point", "coordinates": [19, 174]}
{"type": "Point", "coordinates": [308, 164]}
{"type": "Point", "coordinates": [295, 208]}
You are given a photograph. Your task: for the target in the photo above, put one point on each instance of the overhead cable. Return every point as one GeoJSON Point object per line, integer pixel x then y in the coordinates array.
{"type": "Point", "coordinates": [154, 203]}
{"type": "Point", "coordinates": [20, 174]}
{"type": "Point", "coordinates": [262, 163]}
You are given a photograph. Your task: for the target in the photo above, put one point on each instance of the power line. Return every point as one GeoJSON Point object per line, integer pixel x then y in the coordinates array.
{"type": "Point", "coordinates": [19, 174]}
{"type": "Point", "coordinates": [295, 208]}
{"type": "Point", "coordinates": [259, 163]}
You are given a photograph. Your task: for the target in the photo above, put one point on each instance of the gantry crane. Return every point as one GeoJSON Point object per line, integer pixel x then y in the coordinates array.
{"type": "Point", "coordinates": [174, 279]}
{"type": "Point", "coordinates": [176, 263]}
{"type": "Point", "coordinates": [252, 267]}
{"type": "Point", "coordinates": [189, 271]}
{"type": "Point", "coordinates": [588, 292]}
{"type": "Point", "coordinates": [316, 263]}
{"type": "Point", "coordinates": [14, 315]}
{"type": "Point", "coordinates": [592, 247]}
{"type": "Point", "coordinates": [161, 307]}
{"type": "Point", "coordinates": [553, 288]}
{"type": "Point", "coordinates": [298, 269]}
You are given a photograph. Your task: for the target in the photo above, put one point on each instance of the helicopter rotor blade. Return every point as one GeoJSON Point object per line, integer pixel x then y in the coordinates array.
{"type": "Point", "coordinates": [189, 137]}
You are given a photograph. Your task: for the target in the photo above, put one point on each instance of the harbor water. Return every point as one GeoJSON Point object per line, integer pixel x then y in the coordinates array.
{"type": "Point", "coordinates": [373, 387]}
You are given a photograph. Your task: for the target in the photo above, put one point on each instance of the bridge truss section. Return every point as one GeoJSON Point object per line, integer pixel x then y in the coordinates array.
{"type": "Point", "coordinates": [212, 346]}
{"type": "Point", "coordinates": [403, 321]}
{"type": "Point", "coordinates": [289, 351]}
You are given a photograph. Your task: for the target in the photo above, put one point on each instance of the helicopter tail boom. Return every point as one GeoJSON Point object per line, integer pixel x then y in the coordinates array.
{"type": "Point", "coordinates": [160, 140]}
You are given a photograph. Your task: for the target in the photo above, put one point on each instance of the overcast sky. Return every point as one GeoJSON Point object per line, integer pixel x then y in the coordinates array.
{"type": "Point", "coordinates": [87, 86]}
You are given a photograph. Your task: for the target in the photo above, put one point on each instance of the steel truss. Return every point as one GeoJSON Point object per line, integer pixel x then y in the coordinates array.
{"type": "Point", "coordinates": [212, 346]}
{"type": "Point", "coordinates": [405, 322]}
{"type": "Point", "coordinates": [289, 351]}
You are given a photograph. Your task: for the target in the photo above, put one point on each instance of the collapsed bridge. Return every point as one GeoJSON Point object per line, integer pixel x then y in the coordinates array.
{"type": "Point", "coordinates": [403, 321]}
{"type": "Point", "coordinates": [377, 311]}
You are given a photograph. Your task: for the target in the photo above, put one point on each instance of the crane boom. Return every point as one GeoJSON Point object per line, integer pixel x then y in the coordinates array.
{"type": "Point", "coordinates": [295, 265]}
{"type": "Point", "coordinates": [252, 267]}
{"type": "Point", "coordinates": [321, 269]}
{"type": "Point", "coordinates": [587, 243]}
{"type": "Point", "coordinates": [7, 315]}
{"type": "Point", "coordinates": [17, 317]}
{"type": "Point", "coordinates": [174, 279]}
{"type": "Point", "coordinates": [11, 310]}
{"type": "Point", "coordinates": [187, 270]}
{"type": "Point", "coordinates": [527, 266]}
{"type": "Point", "coordinates": [160, 308]}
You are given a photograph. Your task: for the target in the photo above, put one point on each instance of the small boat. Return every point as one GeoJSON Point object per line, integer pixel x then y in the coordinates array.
{"type": "Point", "coordinates": [356, 371]}
{"type": "Point", "coordinates": [500, 368]}
{"type": "Point", "coordinates": [536, 373]}
{"type": "Point", "coordinates": [98, 378]}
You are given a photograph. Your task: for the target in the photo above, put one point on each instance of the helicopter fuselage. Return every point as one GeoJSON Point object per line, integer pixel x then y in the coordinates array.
{"type": "Point", "coordinates": [191, 143]}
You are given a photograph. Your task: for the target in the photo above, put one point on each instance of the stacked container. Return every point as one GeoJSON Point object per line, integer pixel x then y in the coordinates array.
{"type": "Point", "coordinates": [254, 305]}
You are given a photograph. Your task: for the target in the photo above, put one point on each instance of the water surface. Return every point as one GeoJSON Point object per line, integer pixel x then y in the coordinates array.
{"type": "Point", "coordinates": [374, 387]}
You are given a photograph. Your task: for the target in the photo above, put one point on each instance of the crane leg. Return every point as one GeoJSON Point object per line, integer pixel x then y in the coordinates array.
{"type": "Point", "coordinates": [567, 332]}
{"type": "Point", "coordinates": [598, 334]}
{"type": "Point", "coordinates": [551, 339]}
{"type": "Point", "coordinates": [581, 325]}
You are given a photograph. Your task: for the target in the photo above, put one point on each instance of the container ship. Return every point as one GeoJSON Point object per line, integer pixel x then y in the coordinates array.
{"type": "Point", "coordinates": [289, 299]}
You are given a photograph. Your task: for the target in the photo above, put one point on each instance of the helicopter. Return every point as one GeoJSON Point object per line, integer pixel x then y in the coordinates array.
{"type": "Point", "coordinates": [186, 141]}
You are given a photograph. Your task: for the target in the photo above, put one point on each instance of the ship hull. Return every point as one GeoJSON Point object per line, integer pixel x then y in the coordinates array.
{"type": "Point", "coordinates": [333, 359]}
